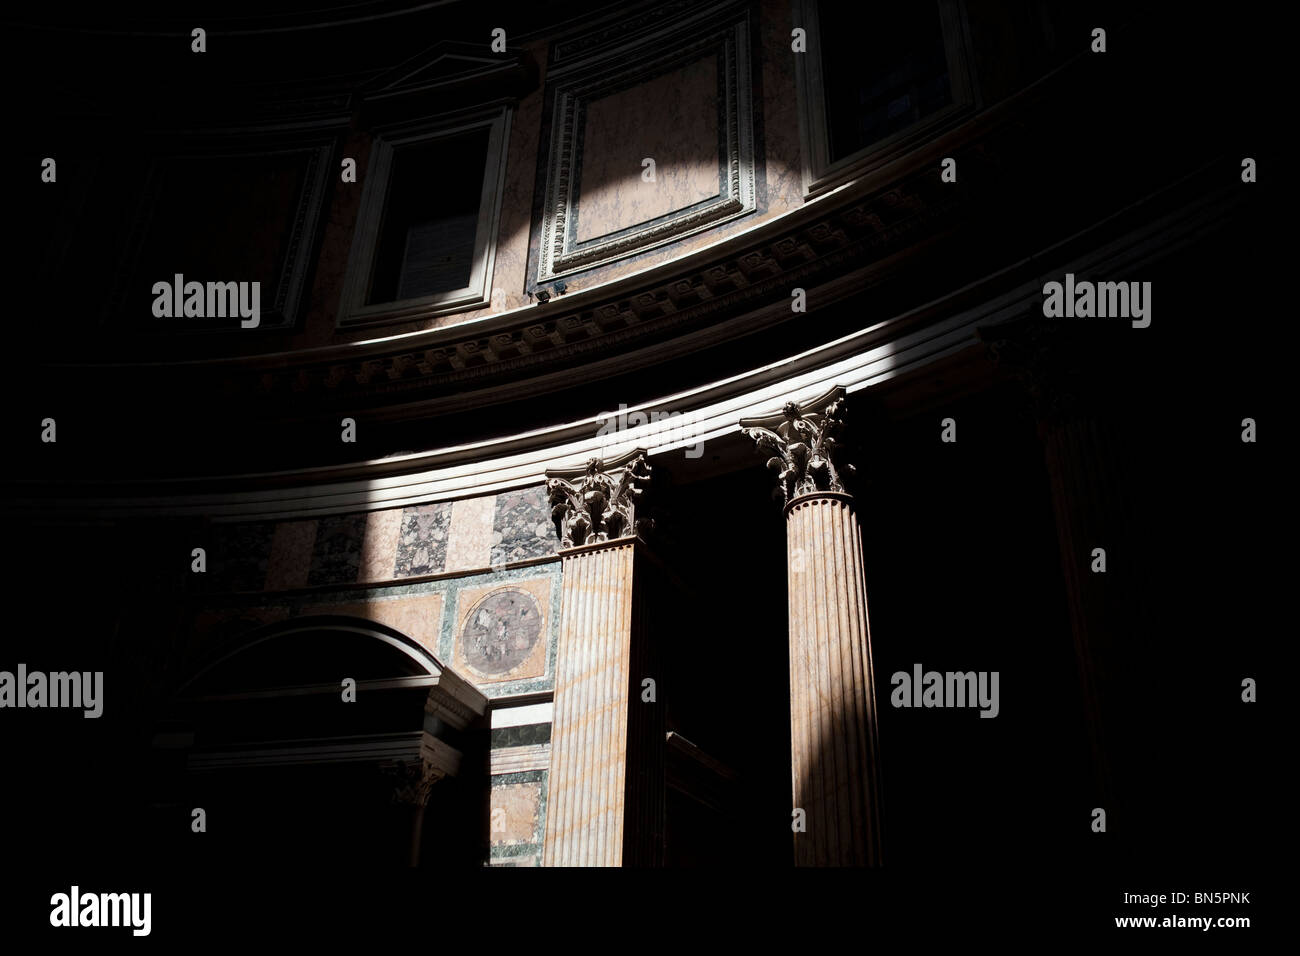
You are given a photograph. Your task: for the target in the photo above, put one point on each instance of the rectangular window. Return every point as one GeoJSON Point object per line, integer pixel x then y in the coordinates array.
{"type": "Point", "coordinates": [426, 232]}
{"type": "Point", "coordinates": [258, 209]}
{"type": "Point", "coordinates": [882, 78]}
{"type": "Point", "coordinates": [873, 86]}
{"type": "Point", "coordinates": [426, 243]}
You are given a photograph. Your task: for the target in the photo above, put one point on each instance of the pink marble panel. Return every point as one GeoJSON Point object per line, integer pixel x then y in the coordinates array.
{"type": "Point", "coordinates": [418, 616]}
{"type": "Point", "coordinates": [469, 541]}
{"type": "Point", "coordinates": [379, 545]}
{"type": "Point", "coordinates": [514, 813]}
{"type": "Point", "coordinates": [290, 561]}
{"type": "Point", "coordinates": [672, 119]}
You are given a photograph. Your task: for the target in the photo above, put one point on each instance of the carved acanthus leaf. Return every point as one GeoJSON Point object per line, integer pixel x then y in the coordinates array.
{"type": "Point", "coordinates": [804, 444]}
{"type": "Point", "coordinates": [413, 781]}
{"type": "Point", "coordinates": [598, 502]}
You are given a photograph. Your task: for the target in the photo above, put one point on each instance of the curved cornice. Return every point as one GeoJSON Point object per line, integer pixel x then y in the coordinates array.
{"type": "Point", "coordinates": [253, 22]}
{"type": "Point", "coordinates": [873, 355]}
{"type": "Point", "coordinates": [844, 241]}
{"type": "Point", "coordinates": [874, 214]}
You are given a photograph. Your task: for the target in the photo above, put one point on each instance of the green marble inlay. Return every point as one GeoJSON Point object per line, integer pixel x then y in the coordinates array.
{"type": "Point", "coordinates": [527, 685]}
{"type": "Point", "coordinates": [522, 736]}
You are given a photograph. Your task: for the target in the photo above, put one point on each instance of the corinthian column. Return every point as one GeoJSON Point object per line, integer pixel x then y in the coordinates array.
{"type": "Point", "coordinates": [605, 801]}
{"type": "Point", "coordinates": [1067, 373]}
{"type": "Point", "coordinates": [833, 735]}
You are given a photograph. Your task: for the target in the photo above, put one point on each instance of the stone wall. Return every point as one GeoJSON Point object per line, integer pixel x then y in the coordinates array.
{"type": "Point", "coordinates": [476, 581]}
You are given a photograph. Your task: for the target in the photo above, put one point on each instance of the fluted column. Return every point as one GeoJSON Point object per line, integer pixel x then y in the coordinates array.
{"type": "Point", "coordinates": [604, 807]}
{"type": "Point", "coordinates": [1066, 373]}
{"type": "Point", "coordinates": [1079, 457]}
{"type": "Point", "coordinates": [833, 729]}
{"type": "Point", "coordinates": [833, 702]}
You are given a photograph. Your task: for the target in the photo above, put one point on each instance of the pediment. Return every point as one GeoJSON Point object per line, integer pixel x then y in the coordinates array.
{"type": "Point", "coordinates": [446, 63]}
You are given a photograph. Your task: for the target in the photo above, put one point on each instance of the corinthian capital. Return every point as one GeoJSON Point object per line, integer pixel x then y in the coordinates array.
{"type": "Point", "coordinates": [804, 444]}
{"type": "Point", "coordinates": [1067, 371]}
{"type": "Point", "coordinates": [598, 502]}
{"type": "Point", "coordinates": [413, 780]}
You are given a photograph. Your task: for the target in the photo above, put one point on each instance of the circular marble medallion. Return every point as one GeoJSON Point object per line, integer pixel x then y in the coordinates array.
{"type": "Point", "coordinates": [501, 631]}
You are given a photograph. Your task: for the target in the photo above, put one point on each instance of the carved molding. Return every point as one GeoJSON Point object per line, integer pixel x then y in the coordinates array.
{"type": "Point", "coordinates": [547, 337]}
{"type": "Point", "coordinates": [874, 354]}
{"type": "Point", "coordinates": [823, 240]}
{"type": "Point", "coordinates": [442, 705]}
{"type": "Point", "coordinates": [598, 502]}
{"type": "Point", "coordinates": [864, 224]}
{"type": "Point", "coordinates": [804, 443]}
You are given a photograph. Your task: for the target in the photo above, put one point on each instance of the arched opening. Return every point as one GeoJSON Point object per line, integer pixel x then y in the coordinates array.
{"type": "Point", "coordinates": [327, 740]}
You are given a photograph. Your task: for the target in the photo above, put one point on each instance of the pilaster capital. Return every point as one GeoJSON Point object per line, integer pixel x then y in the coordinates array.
{"type": "Point", "coordinates": [413, 780]}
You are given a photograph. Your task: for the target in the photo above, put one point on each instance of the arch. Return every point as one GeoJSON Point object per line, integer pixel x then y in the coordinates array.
{"type": "Point", "coordinates": [269, 740]}
{"type": "Point", "coordinates": [288, 676]}
{"type": "Point", "coordinates": [408, 654]}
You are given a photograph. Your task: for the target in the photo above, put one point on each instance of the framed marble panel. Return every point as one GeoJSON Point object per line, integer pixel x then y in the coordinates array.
{"type": "Point", "coordinates": [822, 170]}
{"type": "Point", "coordinates": [503, 639]}
{"type": "Point", "coordinates": [678, 93]}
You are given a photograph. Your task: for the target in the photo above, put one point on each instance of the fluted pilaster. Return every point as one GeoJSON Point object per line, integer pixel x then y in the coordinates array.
{"type": "Point", "coordinates": [589, 739]}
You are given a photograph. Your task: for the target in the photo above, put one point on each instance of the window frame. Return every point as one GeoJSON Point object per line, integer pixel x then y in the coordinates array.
{"type": "Point", "coordinates": [820, 174]}
{"type": "Point", "coordinates": [284, 313]}
{"type": "Point", "coordinates": [353, 310]}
